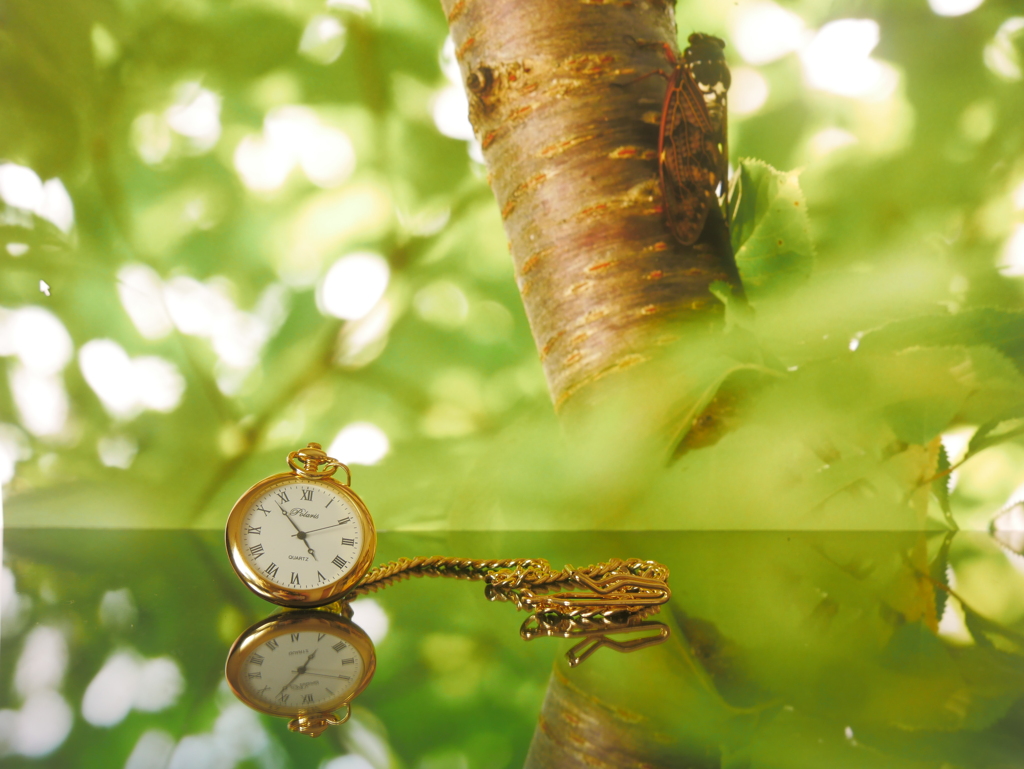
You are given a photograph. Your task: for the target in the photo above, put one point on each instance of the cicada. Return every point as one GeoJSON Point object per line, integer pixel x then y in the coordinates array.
{"type": "Point", "coordinates": [693, 151]}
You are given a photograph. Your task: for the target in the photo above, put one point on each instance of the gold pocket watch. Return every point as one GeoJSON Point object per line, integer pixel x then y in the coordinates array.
{"type": "Point", "coordinates": [301, 538]}
{"type": "Point", "coordinates": [302, 665]}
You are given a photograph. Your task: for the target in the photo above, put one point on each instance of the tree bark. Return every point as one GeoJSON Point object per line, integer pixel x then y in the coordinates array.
{"type": "Point", "coordinates": [570, 136]}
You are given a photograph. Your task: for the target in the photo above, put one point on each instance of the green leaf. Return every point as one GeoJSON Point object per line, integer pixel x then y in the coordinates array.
{"type": "Point", "coordinates": [995, 432]}
{"type": "Point", "coordinates": [770, 229]}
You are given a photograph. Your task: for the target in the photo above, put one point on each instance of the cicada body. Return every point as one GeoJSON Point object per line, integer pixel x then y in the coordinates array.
{"type": "Point", "coordinates": [693, 157]}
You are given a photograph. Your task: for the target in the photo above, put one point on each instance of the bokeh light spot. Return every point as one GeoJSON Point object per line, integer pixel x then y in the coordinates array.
{"type": "Point", "coordinates": [41, 399]}
{"type": "Point", "coordinates": [360, 443]}
{"type": "Point", "coordinates": [838, 60]}
{"type": "Point", "coordinates": [294, 136]}
{"type": "Point", "coordinates": [451, 113]}
{"type": "Point", "coordinates": [108, 697]}
{"type": "Point", "coordinates": [127, 681]}
{"type": "Point", "coordinates": [126, 386]}
{"type": "Point", "coordinates": [117, 451]}
{"type": "Point", "coordinates": [141, 293]}
{"type": "Point", "coordinates": [764, 32]}
{"type": "Point", "coordinates": [323, 39]}
{"type": "Point", "coordinates": [353, 285]}
{"type": "Point", "coordinates": [1002, 55]}
{"type": "Point", "coordinates": [369, 615]}
{"type": "Point", "coordinates": [14, 448]}
{"type": "Point", "coordinates": [749, 91]}
{"type": "Point", "coordinates": [954, 7]}
{"type": "Point", "coordinates": [38, 338]}
{"type": "Point", "coordinates": [43, 661]}
{"type": "Point", "coordinates": [442, 303]}
{"type": "Point", "coordinates": [196, 115]}
{"type": "Point", "coordinates": [1012, 260]}
{"type": "Point", "coordinates": [828, 140]}
{"type": "Point", "coordinates": [39, 727]}
{"type": "Point", "coordinates": [21, 187]}
{"type": "Point", "coordinates": [152, 751]}
{"type": "Point", "coordinates": [351, 761]}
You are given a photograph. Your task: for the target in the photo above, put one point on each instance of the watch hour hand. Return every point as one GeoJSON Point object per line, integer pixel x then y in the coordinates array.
{"type": "Point", "coordinates": [298, 532]}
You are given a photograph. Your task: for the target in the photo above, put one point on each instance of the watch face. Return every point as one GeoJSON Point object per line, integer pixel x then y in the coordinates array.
{"type": "Point", "coordinates": [303, 669]}
{"type": "Point", "coordinates": [300, 663]}
{"type": "Point", "coordinates": [301, 534]}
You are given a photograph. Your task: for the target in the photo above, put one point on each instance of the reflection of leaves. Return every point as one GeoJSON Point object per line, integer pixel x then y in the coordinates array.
{"type": "Point", "coordinates": [770, 229]}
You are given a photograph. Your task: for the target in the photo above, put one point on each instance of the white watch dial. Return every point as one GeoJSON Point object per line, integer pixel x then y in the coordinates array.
{"type": "Point", "coordinates": [302, 670]}
{"type": "Point", "coordinates": [302, 535]}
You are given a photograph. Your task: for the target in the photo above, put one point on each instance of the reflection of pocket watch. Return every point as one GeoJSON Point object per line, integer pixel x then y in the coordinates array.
{"type": "Point", "coordinates": [301, 538]}
{"type": "Point", "coordinates": [302, 665]}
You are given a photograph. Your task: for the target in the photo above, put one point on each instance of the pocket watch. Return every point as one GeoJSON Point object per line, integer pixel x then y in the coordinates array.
{"type": "Point", "coordinates": [301, 538]}
{"type": "Point", "coordinates": [302, 665]}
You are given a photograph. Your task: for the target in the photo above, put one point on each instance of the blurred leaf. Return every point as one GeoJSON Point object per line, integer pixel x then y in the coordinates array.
{"type": "Point", "coordinates": [1000, 329]}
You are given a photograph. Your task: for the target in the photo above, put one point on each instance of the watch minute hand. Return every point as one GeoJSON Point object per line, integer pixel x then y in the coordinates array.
{"type": "Point", "coordinates": [285, 514]}
{"type": "Point", "coordinates": [326, 675]}
{"type": "Point", "coordinates": [339, 523]}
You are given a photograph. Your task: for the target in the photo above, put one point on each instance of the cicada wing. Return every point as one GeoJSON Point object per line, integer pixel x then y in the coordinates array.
{"type": "Point", "coordinates": [689, 158]}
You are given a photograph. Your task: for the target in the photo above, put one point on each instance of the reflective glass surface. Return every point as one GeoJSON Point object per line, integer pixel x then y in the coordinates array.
{"type": "Point", "coordinates": [776, 650]}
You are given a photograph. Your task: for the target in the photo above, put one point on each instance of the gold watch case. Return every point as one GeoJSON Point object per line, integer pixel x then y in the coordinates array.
{"type": "Point", "coordinates": [305, 470]}
{"type": "Point", "coordinates": [263, 655]}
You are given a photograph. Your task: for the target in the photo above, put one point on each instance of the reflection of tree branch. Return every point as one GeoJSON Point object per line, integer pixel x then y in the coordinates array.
{"type": "Point", "coordinates": [216, 574]}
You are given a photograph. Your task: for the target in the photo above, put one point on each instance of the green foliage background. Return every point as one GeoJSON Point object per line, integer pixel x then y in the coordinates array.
{"type": "Point", "coordinates": [907, 222]}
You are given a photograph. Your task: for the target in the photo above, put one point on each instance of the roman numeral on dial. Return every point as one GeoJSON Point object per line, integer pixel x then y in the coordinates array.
{"type": "Point", "coordinates": [340, 562]}
{"type": "Point", "coordinates": [254, 529]}
{"type": "Point", "coordinates": [295, 578]}
{"type": "Point", "coordinates": [307, 495]}
{"type": "Point", "coordinates": [272, 570]}
{"type": "Point", "coordinates": [349, 542]}
{"type": "Point", "coordinates": [283, 496]}
{"type": "Point", "coordinates": [256, 550]}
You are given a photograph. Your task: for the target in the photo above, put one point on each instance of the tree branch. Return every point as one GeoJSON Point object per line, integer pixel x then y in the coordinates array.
{"type": "Point", "coordinates": [569, 131]}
